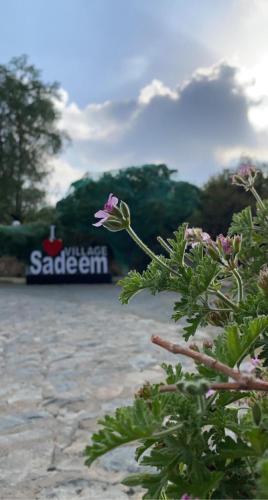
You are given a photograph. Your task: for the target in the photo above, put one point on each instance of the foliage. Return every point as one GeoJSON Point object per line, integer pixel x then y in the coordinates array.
{"type": "Point", "coordinates": [28, 137]}
{"type": "Point", "coordinates": [198, 443]}
{"type": "Point", "coordinates": [19, 241]}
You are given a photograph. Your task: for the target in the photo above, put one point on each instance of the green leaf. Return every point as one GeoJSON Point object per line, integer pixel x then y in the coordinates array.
{"type": "Point", "coordinates": [234, 450]}
{"type": "Point", "coordinates": [263, 481]}
{"type": "Point", "coordinates": [155, 484]}
{"type": "Point", "coordinates": [173, 373]}
{"type": "Point", "coordinates": [154, 278]}
{"type": "Point", "coordinates": [242, 223]}
{"type": "Point", "coordinates": [178, 245]}
{"type": "Point", "coordinates": [235, 343]}
{"type": "Point", "coordinates": [258, 439]}
{"type": "Point", "coordinates": [129, 424]}
{"type": "Point", "coordinates": [205, 272]}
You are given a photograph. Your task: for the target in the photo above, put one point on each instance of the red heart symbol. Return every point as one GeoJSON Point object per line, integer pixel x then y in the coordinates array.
{"type": "Point", "coordinates": [52, 247]}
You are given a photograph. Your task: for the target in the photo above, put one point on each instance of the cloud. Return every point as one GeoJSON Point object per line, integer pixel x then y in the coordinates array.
{"type": "Point", "coordinates": [96, 122]}
{"type": "Point", "coordinates": [205, 123]}
{"type": "Point", "coordinates": [156, 87]}
{"type": "Point", "coordinates": [62, 175]}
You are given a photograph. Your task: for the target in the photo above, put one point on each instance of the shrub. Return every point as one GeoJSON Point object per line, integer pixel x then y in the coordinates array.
{"type": "Point", "coordinates": [205, 432]}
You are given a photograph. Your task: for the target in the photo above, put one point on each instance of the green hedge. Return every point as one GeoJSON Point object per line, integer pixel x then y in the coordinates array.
{"type": "Point", "coordinates": [19, 241]}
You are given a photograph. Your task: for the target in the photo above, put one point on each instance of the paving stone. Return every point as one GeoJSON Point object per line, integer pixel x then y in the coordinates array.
{"type": "Point", "coordinates": [68, 355]}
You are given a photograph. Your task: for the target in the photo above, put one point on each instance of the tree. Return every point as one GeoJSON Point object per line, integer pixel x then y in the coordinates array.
{"type": "Point", "coordinates": [28, 136]}
{"type": "Point", "coordinates": [160, 204]}
{"type": "Point", "coordinates": [220, 200]}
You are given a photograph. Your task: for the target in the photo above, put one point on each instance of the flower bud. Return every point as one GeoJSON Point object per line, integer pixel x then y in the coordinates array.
{"type": "Point", "coordinates": [263, 280]}
{"type": "Point", "coordinates": [213, 252]}
{"type": "Point", "coordinates": [246, 170]}
{"type": "Point", "coordinates": [125, 211]}
{"type": "Point", "coordinates": [245, 175]}
{"type": "Point", "coordinates": [113, 224]}
{"type": "Point", "coordinates": [256, 413]}
{"type": "Point", "coordinates": [237, 240]}
{"type": "Point", "coordinates": [225, 244]}
{"type": "Point", "coordinates": [193, 387]}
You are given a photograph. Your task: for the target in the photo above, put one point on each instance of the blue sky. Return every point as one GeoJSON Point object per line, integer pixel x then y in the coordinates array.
{"type": "Point", "coordinates": [107, 49]}
{"type": "Point", "coordinates": [177, 81]}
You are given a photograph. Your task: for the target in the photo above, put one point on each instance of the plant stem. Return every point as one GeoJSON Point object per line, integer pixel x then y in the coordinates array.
{"type": "Point", "coordinates": [225, 299]}
{"type": "Point", "coordinates": [167, 431]}
{"type": "Point", "coordinates": [148, 251]}
{"type": "Point", "coordinates": [164, 244]}
{"type": "Point", "coordinates": [257, 197]}
{"type": "Point", "coordinates": [239, 281]}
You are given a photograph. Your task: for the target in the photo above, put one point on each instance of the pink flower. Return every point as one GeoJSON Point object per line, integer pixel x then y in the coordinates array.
{"type": "Point", "coordinates": [209, 393]}
{"type": "Point", "coordinates": [226, 244]}
{"type": "Point", "coordinates": [110, 204]}
{"type": "Point", "coordinates": [246, 169]}
{"type": "Point", "coordinates": [255, 362]}
{"type": "Point", "coordinates": [195, 235]}
{"type": "Point", "coordinates": [205, 238]}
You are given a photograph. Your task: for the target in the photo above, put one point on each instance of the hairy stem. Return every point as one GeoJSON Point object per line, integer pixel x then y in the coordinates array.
{"type": "Point", "coordinates": [223, 297]}
{"type": "Point", "coordinates": [240, 288]}
{"type": "Point", "coordinates": [257, 197]}
{"type": "Point", "coordinates": [148, 251]}
{"type": "Point", "coordinates": [164, 244]}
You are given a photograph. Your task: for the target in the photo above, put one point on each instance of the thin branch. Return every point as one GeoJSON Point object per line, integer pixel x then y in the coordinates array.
{"type": "Point", "coordinates": [202, 358]}
{"type": "Point", "coordinates": [250, 385]}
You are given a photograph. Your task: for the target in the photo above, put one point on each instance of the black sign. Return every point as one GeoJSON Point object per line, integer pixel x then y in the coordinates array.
{"type": "Point", "coordinates": [73, 264]}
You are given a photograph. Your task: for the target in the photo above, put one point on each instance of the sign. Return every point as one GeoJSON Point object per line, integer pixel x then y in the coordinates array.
{"type": "Point", "coordinates": [75, 264]}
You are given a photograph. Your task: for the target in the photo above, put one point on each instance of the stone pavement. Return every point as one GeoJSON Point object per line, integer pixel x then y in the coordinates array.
{"type": "Point", "coordinates": [69, 354]}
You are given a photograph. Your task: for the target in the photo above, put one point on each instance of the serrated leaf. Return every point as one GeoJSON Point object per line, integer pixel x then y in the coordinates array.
{"type": "Point", "coordinates": [242, 223]}
{"type": "Point", "coordinates": [129, 424]}
{"type": "Point", "coordinates": [236, 342]}
{"type": "Point", "coordinates": [263, 480]}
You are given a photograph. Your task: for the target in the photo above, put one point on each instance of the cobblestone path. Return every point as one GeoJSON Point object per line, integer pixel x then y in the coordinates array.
{"type": "Point", "coordinates": [69, 354]}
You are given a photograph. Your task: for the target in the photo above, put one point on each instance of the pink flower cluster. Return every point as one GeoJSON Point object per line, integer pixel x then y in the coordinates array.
{"type": "Point", "coordinates": [195, 235]}
{"type": "Point", "coordinates": [245, 174]}
{"type": "Point", "coordinates": [246, 169]}
{"type": "Point", "coordinates": [226, 244]}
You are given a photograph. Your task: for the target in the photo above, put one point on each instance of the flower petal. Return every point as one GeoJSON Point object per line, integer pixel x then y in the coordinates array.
{"type": "Point", "coordinates": [101, 214]}
{"type": "Point", "coordinates": [114, 201]}
{"type": "Point", "coordinates": [99, 223]}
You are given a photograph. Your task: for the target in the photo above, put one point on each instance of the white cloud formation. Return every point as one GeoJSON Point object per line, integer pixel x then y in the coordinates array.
{"type": "Point", "coordinates": [202, 125]}
{"type": "Point", "coordinates": [61, 177]}
{"type": "Point", "coordinates": [156, 87]}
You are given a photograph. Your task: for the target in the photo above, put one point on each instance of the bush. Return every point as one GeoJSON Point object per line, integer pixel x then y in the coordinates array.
{"type": "Point", "coordinates": [203, 433]}
{"type": "Point", "coordinates": [19, 241]}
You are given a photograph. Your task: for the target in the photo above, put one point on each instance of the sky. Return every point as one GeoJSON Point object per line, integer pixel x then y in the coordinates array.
{"type": "Point", "coordinates": [181, 82]}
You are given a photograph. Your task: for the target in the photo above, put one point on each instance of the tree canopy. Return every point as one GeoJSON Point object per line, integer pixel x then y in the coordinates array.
{"type": "Point", "coordinates": [28, 136]}
{"type": "Point", "coordinates": [220, 199]}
